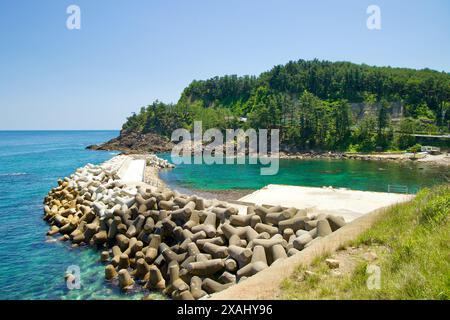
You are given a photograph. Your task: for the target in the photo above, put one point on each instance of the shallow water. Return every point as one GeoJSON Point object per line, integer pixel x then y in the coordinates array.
{"type": "Point", "coordinates": [32, 266]}
{"type": "Point", "coordinates": [352, 174]}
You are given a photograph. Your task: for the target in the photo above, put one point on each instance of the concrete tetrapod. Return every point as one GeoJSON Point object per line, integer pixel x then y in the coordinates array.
{"type": "Point", "coordinates": [175, 282]}
{"type": "Point", "coordinates": [110, 272]}
{"type": "Point", "coordinates": [194, 220]}
{"type": "Point", "coordinates": [241, 255]}
{"type": "Point", "coordinates": [268, 243]}
{"type": "Point", "coordinates": [208, 226]}
{"type": "Point", "coordinates": [271, 230]}
{"type": "Point", "coordinates": [142, 270]}
{"type": "Point", "coordinates": [196, 288]}
{"type": "Point", "coordinates": [335, 222]}
{"type": "Point", "coordinates": [211, 286]}
{"type": "Point", "coordinates": [257, 264]}
{"type": "Point", "coordinates": [215, 250]}
{"type": "Point", "coordinates": [301, 241]}
{"type": "Point", "coordinates": [227, 277]}
{"type": "Point", "coordinates": [276, 217]}
{"type": "Point", "coordinates": [277, 252]}
{"type": "Point", "coordinates": [295, 223]}
{"type": "Point", "coordinates": [206, 268]}
{"type": "Point", "coordinates": [156, 280]}
{"type": "Point", "coordinates": [241, 220]}
{"type": "Point", "coordinates": [323, 228]}
{"type": "Point", "coordinates": [125, 280]}
{"type": "Point", "coordinates": [152, 249]}
{"type": "Point", "coordinates": [231, 265]}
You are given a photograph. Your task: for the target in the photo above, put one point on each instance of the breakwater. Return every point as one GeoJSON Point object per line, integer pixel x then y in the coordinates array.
{"type": "Point", "coordinates": [185, 246]}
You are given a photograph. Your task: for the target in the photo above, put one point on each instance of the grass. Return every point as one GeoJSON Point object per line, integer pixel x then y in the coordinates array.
{"type": "Point", "coordinates": [412, 241]}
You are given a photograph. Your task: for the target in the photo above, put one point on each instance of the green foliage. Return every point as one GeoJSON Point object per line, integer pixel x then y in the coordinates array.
{"type": "Point", "coordinates": [165, 118]}
{"type": "Point", "coordinates": [364, 135]}
{"type": "Point", "coordinates": [436, 210]}
{"type": "Point", "coordinates": [415, 148]}
{"type": "Point", "coordinates": [309, 102]}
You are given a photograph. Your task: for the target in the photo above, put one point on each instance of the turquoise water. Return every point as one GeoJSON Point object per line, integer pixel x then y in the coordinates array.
{"type": "Point", "coordinates": [353, 174]}
{"type": "Point", "coordinates": [31, 266]}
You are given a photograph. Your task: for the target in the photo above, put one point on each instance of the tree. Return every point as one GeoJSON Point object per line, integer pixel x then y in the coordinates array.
{"type": "Point", "coordinates": [405, 138]}
{"type": "Point", "coordinates": [341, 117]}
{"type": "Point", "coordinates": [384, 132]}
{"type": "Point", "coordinates": [365, 135]}
{"type": "Point", "coordinates": [265, 109]}
{"type": "Point", "coordinates": [414, 149]}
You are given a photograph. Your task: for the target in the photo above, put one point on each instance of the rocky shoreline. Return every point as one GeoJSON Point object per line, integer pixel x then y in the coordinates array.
{"type": "Point", "coordinates": [188, 247]}
{"type": "Point", "coordinates": [138, 143]}
{"type": "Point", "coordinates": [400, 157]}
{"type": "Point", "coordinates": [130, 142]}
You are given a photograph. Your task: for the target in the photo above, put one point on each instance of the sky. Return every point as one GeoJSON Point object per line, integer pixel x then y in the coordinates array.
{"type": "Point", "coordinates": [129, 53]}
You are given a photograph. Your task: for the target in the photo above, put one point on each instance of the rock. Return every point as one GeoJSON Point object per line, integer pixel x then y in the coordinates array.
{"type": "Point", "coordinates": [332, 263]}
{"type": "Point", "coordinates": [130, 141]}
{"type": "Point", "coordinates": [370, 256]}
{"type": "Point", "coordinates": [310, 274]}
{"type": "Point", "coordinates": [336, 273]}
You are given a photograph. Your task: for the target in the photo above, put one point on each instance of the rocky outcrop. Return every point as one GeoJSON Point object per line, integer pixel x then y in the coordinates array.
{"type": "Point", "coordinates": [135, 142]}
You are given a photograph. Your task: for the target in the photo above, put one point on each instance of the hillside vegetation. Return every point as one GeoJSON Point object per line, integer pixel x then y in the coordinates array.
{"type": "Point", "coordinates": [309, 102]}
{"type": "Point", "coordinates": [412, 242]}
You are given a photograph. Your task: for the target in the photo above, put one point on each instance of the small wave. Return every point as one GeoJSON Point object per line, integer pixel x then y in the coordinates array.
{"type": "Point", "coordinates": [13, 174]}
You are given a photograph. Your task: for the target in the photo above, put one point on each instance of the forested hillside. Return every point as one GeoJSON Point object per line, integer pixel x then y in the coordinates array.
{"type": "Point", "coordinates": [309, 102]}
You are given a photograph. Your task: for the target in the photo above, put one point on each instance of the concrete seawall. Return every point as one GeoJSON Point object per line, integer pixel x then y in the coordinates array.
{"type": "Point", "coordinates": [265, 285]}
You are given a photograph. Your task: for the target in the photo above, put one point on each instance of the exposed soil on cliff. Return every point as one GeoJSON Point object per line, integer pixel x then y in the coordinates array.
{"type": "Point", "coordinates": [134, 142]}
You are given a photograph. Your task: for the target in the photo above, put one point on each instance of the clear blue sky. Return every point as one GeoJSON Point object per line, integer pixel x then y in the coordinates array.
{"type": "Point", "coordinates": [129, 53]}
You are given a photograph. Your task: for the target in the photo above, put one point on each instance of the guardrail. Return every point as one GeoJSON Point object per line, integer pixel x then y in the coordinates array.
{"type": "Point", "coordinates": [397, 188]}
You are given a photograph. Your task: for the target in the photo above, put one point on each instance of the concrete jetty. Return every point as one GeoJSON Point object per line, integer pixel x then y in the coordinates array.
{"type": "Point", "coordinates": [133, 171]}
{"type": "Point", "coordinates": [350, 204]}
